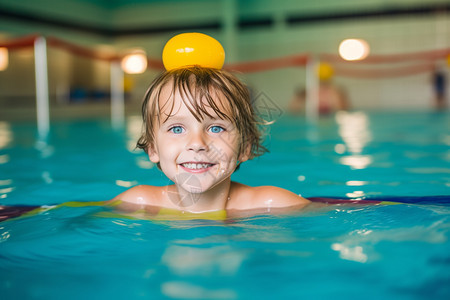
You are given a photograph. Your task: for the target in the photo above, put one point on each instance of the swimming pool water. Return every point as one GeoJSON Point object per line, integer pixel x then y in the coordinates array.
{"type": "Point", "coordinates": [344, 251]}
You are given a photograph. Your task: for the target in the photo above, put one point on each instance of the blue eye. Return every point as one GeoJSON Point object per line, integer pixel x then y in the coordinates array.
{"type": "Point", "coordinates": [216, 129]}
{"type": "Point", "coordinates": [176, 129]}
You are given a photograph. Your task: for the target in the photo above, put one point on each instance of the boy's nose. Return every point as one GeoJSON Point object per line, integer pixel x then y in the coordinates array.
{"type": "Point", "coordinates": [197, 142]}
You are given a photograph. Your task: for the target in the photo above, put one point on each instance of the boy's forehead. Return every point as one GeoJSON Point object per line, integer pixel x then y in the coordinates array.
{"type": "Point", "coordinates": [171, 101]}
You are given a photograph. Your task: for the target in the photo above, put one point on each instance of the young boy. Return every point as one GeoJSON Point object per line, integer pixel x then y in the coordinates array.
{"type": "Point", "coordinates": [199, 126]}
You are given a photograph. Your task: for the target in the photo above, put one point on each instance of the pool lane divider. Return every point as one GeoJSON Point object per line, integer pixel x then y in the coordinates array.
{"type": "Point", "coordinates": [22, 211]}
{"type": "Point", "coordinates": [9, 212]}
{"type": "Point", "coordinates": [387, 200]}
{"type": "Point", "coordinates": [335, 201]}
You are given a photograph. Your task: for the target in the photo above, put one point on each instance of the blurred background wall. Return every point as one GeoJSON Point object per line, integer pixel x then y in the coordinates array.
{"type": "Point", "coordinates": [248, 29]}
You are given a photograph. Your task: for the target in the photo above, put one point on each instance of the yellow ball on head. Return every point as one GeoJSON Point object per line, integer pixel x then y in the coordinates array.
{"type": "Point", "coordinates": [190, 49]}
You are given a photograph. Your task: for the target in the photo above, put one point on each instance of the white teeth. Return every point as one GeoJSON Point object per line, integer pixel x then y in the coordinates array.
{"type": "Point", "coordinates": [194, 166]}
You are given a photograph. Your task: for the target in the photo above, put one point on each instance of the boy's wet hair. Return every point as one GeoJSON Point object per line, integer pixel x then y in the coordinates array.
{"type": "Point", "coordinates": [199, 87]}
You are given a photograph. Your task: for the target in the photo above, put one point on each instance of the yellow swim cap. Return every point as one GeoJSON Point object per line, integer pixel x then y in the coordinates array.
{"type": "Point", "coordinates": [190, 49]}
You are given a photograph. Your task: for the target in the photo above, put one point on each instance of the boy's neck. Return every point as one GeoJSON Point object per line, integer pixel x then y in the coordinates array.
{"type": "Point", "coordinates": [214, 199]}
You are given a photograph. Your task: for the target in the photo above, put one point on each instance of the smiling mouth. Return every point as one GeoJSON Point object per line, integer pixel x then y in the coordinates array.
{"type": "Point", "coordinates": [197, 166]}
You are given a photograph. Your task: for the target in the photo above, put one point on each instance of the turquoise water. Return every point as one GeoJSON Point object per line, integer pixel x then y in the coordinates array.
{"type": "Point", "coordinates": [343, 251]}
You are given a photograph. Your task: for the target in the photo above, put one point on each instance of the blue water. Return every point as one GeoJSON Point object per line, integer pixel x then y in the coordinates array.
{"type": "Point", "coordinates": [342, 251]}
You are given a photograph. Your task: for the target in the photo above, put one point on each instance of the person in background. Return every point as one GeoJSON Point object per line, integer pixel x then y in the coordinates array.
{"type": "Point", "coordinates": [331, 97]}
{"type": "Point", "coordinates": [440, 87]}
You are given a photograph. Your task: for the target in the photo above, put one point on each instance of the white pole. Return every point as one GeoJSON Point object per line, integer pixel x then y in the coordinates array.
{"type": "Point", "coordinates": [117, 96]}
{"type": "Point", "coordinates": [312, 90]}
{"type": "Point", "coordinates": [229, 18]}
{"type": "Point", "coordinates": [42, 106]}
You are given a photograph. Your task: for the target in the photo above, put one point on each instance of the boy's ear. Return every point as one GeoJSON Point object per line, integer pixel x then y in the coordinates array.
{"type": "Point", "coordinates": [245, 153]}
{"type": "Point", "coordinates": [153, 155]}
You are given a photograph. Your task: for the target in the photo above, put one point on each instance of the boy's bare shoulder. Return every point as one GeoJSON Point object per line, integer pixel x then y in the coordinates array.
{"type": "Point", "coordinates": [142, 195]}
{"type": "Point", "coordinates": [246, 197]}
